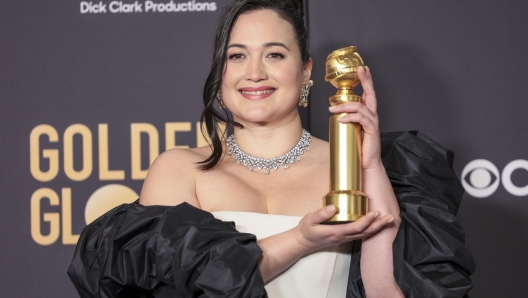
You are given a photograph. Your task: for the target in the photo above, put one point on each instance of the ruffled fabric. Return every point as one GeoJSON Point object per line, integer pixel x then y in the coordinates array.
{"type": "Point", "coordinates": [430, 258]}
{"type": "Point", "coordinates": [158, 251]}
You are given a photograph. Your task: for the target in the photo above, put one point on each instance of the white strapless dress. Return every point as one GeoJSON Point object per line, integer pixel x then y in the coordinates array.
{"type": "Point", "coordinates": [323, 273]}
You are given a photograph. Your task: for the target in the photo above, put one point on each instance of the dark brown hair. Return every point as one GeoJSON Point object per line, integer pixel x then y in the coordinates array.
{"type": "Point", "coordinates": [291, 11]}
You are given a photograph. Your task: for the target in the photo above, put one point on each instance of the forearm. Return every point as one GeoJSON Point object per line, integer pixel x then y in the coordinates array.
{"type": "Point", "coordinates": [377, 270]}
{"type": "Point", "coordinates": [279, 252]}
{"type": "Point", "coordinates": [377, 187]}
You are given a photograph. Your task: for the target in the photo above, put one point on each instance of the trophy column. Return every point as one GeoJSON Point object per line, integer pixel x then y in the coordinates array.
{"type": "Point", "coordinates": [345, 141]}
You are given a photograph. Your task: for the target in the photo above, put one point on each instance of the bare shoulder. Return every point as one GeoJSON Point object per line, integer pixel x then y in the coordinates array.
{"type": "Point", "coordinates": [171, 179]}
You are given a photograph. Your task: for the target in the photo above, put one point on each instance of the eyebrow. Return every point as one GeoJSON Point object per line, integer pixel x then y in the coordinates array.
{"type": "Point", "coordinates": [266, 45]}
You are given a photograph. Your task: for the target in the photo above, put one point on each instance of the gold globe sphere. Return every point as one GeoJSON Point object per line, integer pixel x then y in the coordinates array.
{"type": "Point", "coordinates": [341, 71]}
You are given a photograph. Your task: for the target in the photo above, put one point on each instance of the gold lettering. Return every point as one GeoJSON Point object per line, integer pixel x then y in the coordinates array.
{"type": "Point", "coordinates": [87, 154]}
{"type": "Point", "coordinates": [104, 172]}
{"type": "Point", "coordinates": [51, 217]}
{"type": "Point", "coordinates": [67, 236]}
{"type": "Point", "coordinates": [51, 154]}
{"type": "Point", "coordinates": [136, 129]}
{"type": "Point", "coordinates": [170, 133]}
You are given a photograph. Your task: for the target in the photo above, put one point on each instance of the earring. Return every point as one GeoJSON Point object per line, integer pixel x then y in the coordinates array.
{"type": "Point", "coordinates": [305, 90]}
{"type": "Point", "coordinates": [220, 102]}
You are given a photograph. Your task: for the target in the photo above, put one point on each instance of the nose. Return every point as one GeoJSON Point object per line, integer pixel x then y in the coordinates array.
{"type": "Point", "coordinates": [256, 71]}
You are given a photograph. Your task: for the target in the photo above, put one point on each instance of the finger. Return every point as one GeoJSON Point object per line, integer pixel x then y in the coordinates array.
{"type": "Point", "coordinates": [369, 75]}
{"type": "Point", "coordinates": [351, 107]}
{"type": "Point", "coordinates": [321, 215]}
{"type": "Point", "coordinates": [378, 225]}
{"type": "Point", "coordinates": [369, 95]}
{"type": "Point", "coordinates": [358, 226]}
{"type": "Point", "coordinates": [370, 125]}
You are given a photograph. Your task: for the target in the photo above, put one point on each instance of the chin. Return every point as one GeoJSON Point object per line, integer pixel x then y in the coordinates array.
{"type": "Point", "coordinates": [263, 114]}
{"type": "Point", "coordinates": [257, 114]}
{"type": "Point", "coordinates": [257, 120]}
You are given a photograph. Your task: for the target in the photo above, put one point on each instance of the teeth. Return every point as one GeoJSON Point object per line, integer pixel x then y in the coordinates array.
{"type": "Point", "coordinates": [257, 92]}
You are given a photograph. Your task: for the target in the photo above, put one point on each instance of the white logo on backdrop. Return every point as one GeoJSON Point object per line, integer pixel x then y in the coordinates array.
{"type": "Point", "coordinates": [146, 6]}
{"type": "Point", "coordinates": [481, 183]}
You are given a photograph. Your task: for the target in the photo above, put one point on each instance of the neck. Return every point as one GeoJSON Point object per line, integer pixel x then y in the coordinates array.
{"type": "Point", "coordinates": [269, 141]}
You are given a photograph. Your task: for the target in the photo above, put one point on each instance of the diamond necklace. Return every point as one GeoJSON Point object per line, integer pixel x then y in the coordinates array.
{"type": "Point", "coordinates": [272, 163]}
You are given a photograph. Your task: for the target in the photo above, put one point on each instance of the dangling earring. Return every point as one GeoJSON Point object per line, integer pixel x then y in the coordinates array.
{"type": "Point", "coordinates": [305, 90]}
{"type": "Point", "coordinates": [220, 102]}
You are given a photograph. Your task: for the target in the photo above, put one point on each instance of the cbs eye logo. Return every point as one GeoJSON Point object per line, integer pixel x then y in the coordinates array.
{"type": "Point", "coordinates": [481, 178]}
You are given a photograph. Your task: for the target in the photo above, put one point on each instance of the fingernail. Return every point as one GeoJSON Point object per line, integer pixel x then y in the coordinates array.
{"type": "Point", "coordinates": [390, 220]}
{"type": "Point", "coordinates": [330, 209]}
{"type": "Point", "coordinates": [367, 68]}
{"type": "Point", "coordinates": [376, 215]}
{"type": "Point", "coordinates": [332, 108]}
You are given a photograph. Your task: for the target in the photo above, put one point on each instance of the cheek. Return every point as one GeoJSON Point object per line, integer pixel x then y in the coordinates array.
{"type": "Point", "coordinates": [230, 79]}
{"type": "Point", "coordinates": [289, 72]}
{"type": "Point", "coordinates": [296, 77]}
{"type": "Point", "coordinates": [228, 85]}
{"type": "Point", "coordinates": [293, 81]}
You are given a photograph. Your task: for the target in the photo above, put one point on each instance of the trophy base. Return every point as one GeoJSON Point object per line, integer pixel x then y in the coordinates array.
{"type": "Point", "coordinates": [350, 205]}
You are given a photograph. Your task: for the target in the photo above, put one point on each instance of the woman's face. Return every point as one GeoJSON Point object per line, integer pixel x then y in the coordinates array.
{"type": "Point", "coordinates": [263, 73]}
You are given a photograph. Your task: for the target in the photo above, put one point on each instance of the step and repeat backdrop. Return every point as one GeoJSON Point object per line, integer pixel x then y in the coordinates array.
{"type": "Point", "coordinates": [91, 92]}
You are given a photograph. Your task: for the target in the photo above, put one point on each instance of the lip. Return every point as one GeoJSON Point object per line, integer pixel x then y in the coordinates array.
{"type": "Point", "coordinates": [262, 92]}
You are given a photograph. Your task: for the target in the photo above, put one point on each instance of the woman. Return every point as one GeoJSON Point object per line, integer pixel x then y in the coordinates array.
{"type": "Point", "coordinates": [261, 65]}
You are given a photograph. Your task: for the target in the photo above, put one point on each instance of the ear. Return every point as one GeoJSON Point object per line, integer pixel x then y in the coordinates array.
{"type": "Point", "coordinates": [307, 68]}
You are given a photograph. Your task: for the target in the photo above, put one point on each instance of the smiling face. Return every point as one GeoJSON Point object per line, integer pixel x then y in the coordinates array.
{"type": "Point", "coordinates": [263, 72]}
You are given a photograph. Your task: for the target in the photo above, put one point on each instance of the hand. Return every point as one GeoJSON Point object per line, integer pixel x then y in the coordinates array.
{"type": "Point", "coordinates": [312, 235]}
{"type": "Point", "coordinates": [365, 113]}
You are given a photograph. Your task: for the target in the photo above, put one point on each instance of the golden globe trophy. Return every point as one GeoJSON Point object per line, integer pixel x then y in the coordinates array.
{"type": "Point", "coordinates": [345, 140]}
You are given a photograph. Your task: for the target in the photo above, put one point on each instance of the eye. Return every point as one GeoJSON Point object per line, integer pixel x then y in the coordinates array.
{"type": "Point", "coordinates": [236, 56]}
{"type": "Point", "coordinates": [276, 56]}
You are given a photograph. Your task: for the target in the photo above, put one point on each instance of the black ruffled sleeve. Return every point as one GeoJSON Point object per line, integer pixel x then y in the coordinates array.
{"type": "Point", "coordinates": [158, 251]}
{"type": "Point", "coordinates": [430, 258]}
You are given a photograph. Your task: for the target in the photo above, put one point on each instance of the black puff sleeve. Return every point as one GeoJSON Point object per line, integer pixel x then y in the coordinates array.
{"type": "Point", "coordinates": [430, 258]}
{"type": "Point", "coordinates": [158, 251]}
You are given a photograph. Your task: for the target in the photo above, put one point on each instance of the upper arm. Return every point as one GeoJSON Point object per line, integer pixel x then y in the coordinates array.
{"type": "Point", "coordinates": [171, 180]}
